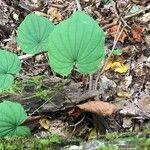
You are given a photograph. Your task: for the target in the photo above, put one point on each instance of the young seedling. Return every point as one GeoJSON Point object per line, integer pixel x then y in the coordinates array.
{"type": "Point", "coordinates": [76, 43]}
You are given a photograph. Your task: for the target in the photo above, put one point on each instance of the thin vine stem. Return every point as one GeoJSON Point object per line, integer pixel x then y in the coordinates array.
{"type": "Point", "coordinates": [78, 4]}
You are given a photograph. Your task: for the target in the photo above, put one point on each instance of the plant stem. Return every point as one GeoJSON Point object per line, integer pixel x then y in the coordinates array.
{"type": "Point", "coordinates": [118, 34]}
{"type": "Point", "coordinates": [91, 76]}
{"type": "Point", "coordinates": [90, 82]}
{"type": "Point", "coordinates": [26, 56]}
{"type": "Point", "coordinates": [78, 4]}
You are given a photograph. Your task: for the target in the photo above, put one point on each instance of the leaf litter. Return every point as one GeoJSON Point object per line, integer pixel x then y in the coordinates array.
{"type": "Point", "coordinates": [125, 81]}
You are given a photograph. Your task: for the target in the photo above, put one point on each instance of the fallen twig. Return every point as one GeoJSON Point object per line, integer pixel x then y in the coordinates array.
{"type": "Point", "coordinates": [78, 4]}
{"type": "Point", "coordinates": [91, 76]}
{"type": "Point", "coordinates": [137, 13]}
{"type": "Point", "coordinates": [75, 126]}
{"type": "Point", "coordinates": [118, 16]}
{"type": "Point", "coordinates": [26, 56]}
{"type": "Point", "coordinates": [58, 6]}
{"type": "Point", "coordinates": [118, 34]}
{"type": "Point", "coordinates": [109, 25]}
{"type": "Point", "coordinates": [90, 82]}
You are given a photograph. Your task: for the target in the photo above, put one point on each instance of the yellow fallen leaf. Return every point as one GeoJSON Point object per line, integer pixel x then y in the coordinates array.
{"type": "Point", "coordinates": [123, 94]}
{"type": "Point", "coordinates": [92, 134]}
{"type": "Point", "coordinates": [116, 66]}
{"type": "Point", "coordinates": [109, 64]}
{"type": "Point", "coordinates": [119, 67]}
{"type": "Point", "coordinates": [44, 123]}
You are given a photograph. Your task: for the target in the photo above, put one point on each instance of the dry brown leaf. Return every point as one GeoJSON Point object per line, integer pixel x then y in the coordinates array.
{"type": "Point", "coordinates": [144, 103]}
{"type": "Point", "coordinates": [75, 112]}
{"type": "Point", "coordinates": [98, 107]}
{"type": "Point", "coordinates": [55, 13]}
{"type": "Point", "coordinates": [113, 31]}
{"type": "Point", "coordinates": [137, 33]}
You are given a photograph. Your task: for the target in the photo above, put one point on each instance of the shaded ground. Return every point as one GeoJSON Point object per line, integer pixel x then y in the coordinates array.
{"type": "Point", "coordinates": [113, 141]}
{"type": "Point", "coordinates": [54, 97]}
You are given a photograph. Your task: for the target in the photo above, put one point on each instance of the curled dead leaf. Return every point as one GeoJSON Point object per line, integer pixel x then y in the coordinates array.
{"type": "Point", "coordinates": [137, 33]}
{"type": "Point", "coordinates": [98, 107]}
{"type": "Point", "coordinates": [75, 112]}
{"type": "Point", "coordinates": [44, 123]}
{"type": "Point", "coordinates": [113, 31]}
{"type": "Point", "coordinates": [55, 13]}
{"type": "Point", "coordinates": [144, 103]}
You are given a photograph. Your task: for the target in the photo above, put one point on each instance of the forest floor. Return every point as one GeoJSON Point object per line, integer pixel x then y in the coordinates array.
{"type": "Point", "coordinates": [55, 104]}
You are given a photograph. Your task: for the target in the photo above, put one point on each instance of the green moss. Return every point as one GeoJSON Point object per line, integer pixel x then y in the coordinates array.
{"type": "Point", "coordinates": [20, 143]}
{"type": "Point", "coordinates": [55, 138]}
{"type": "Point", "coordinates": [54, 142]}
{"type": "Point", "coordinates": [143, 144]}
{"type": "Point", "coordinates": [112, 136]}
{"type": "Point", "coordinates": [50, 142]}
{"type": "Point", "coordinates": [33, 87]}
{"type": "Point", "coordinates": [108, 148]}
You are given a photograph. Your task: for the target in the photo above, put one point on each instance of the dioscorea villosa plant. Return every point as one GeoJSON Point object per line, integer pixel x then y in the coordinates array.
{"type": "Point", "coordinates": [33, 34]}
{"type": "Point", "coordinates": [75, 43]}
{"type": "Point", "coordinates": [12, 115]}
{"type": "Point", "coordinates": [10, 65]}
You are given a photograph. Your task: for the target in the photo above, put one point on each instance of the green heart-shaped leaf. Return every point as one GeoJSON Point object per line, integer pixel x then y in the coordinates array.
{"type": "Point", "coordinates": [33, 33]}
{"type": "Point", "coordinates": [12, 115]}
{"type": "Point", "coordinates": [77, 41]}
{"type": "Point", "coordinates": [9, 66]}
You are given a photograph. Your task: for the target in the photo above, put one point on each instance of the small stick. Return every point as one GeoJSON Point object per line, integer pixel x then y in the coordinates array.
{"type": "Point", "coordinates": [110, 54]}
{"type": "Point", "coordinates": [118, 16]}
{"type": "Point", "coordinates": [114, 45]}
{"type": "Point", "coordinates": [90, 82]}
{"type": "Point", "coordinates": [91, 76]}
{"type": "Point", "coordinates": [48, 100]}
{"type": "Point", "coordinates": [75, 126]}
{"type": "Point", "coordinates": [26, 56]}
{"type": "Point", "coordinates": [109, 25]}
{"type": "Point", "coordinates": [137, 13]}
{"type": "Point", "coordinates": [78, 4]}
{"type": "Point", "coordinates": [58, 6]}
